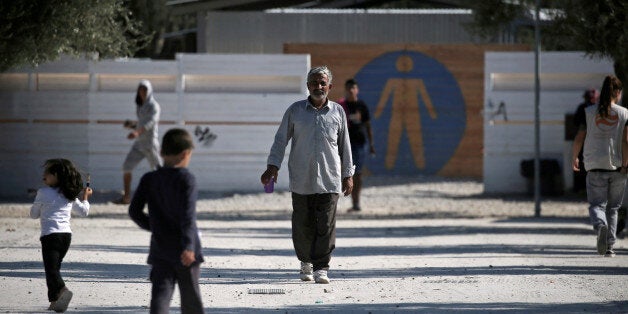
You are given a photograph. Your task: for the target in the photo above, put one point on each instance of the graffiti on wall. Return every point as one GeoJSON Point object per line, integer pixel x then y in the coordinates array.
{"type": "Point", "coordinates": [204, 136]}
{"type": "Point", "coordinates": [418, 112]}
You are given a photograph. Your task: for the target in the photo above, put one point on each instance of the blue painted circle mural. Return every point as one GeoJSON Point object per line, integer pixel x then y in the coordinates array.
{"type": "Point", "coordinates": [417, 113]}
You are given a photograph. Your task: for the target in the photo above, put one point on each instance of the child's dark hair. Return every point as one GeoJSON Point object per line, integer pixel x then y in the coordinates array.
{"type": "Point", "coordinates": [176, 141]}
{"type": "Point", "coordinates": [610, 86]}
{"type": "Point", "coordinates": [69, 180]}
{"type": "Point", "coordinates": [350, 83]}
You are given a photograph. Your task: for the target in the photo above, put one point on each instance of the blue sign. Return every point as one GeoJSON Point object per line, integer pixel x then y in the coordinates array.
{"type": "Point", "coordinates": [417, 111]}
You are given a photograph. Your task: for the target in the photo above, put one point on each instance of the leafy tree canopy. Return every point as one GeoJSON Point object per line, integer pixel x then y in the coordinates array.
{"type": "Point", "coordinates": [36, 31]}
{"type": "Point", "coordinates": [600, 28]}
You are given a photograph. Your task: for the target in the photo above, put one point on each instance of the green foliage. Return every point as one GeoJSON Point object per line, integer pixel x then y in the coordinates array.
{"type": "Point", "coordinates": [36, 31]}
{"type": "Point", "coordinates": [600, 28]}
{"type": "Point", "coordinates": [492, 16]}
{"type": "Point", "coordinates": [154, 17]}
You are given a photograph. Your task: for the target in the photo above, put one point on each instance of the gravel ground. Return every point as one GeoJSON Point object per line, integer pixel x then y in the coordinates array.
{"type": "Point", "coordinates": [422, 245]}
{"type": "Point", "coordinates": [392, 197]}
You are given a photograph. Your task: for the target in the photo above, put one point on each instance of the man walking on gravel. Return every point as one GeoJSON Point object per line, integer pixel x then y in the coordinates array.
{"type": "Point", "coordinates": [320, 168]}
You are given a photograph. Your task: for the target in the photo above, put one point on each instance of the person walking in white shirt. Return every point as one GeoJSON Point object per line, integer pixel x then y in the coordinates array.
{"type": "Point", "coordinates": [604, 134]}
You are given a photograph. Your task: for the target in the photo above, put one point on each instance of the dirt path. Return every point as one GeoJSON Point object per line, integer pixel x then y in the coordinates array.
{"type": "Point", "coordinates": [388, 259]}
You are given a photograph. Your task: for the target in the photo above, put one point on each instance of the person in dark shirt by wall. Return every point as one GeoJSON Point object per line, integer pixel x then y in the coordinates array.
{"type": "Point", "coordinates": [590, 98]}
{"type": "Point", "coordinates": [359, 120]}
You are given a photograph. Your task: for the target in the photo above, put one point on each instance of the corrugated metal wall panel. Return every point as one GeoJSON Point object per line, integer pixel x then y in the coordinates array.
{"type": "Point", "coordinates": [260, 32]}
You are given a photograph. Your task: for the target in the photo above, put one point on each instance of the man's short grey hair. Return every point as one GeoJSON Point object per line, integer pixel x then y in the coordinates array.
{"type": "Point", "coordinates": [322, 69]}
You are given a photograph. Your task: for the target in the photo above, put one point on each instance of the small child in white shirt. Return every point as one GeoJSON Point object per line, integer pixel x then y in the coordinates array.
{"type": "Point", "coordinates": [53, 206]}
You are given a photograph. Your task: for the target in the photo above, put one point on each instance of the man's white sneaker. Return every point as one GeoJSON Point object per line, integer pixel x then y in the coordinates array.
{"type": "Point", "coordinates": [306, 271]}
{"type": "Point", "coordinates": [320, 276]}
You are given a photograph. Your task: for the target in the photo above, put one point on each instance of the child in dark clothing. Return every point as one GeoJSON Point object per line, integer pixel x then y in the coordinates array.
{"type": "Point", "coordinates": [175, 247]}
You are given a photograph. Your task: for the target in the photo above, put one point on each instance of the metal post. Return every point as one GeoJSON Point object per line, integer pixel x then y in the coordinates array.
{"type": "Point", "coordinates": [537, 131]}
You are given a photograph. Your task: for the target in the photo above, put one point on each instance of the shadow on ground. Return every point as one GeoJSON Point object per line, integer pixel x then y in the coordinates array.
{"type": "Point", "coordinates": [434, 307]}
{"type": "Point", "coordinates": [595, 307]}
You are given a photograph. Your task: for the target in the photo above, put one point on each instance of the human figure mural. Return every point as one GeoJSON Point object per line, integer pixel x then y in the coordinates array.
{"type": "Point", "coordinates": [419, 114]}
{"type": "Point", "coordinates": [405, 113]}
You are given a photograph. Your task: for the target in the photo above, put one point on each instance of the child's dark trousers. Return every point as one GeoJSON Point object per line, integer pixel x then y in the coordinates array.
{"type": "Point", "coordinates": [164, 276]}
{"type": "Point", "coordinates": [54, 246]}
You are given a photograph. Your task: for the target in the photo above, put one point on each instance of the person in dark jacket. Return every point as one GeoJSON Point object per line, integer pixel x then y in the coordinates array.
{"type": "Point", "coordinates": [359, 123]}
{"type": "Point", "coordinates": [175, 246]}
{"type": "Point", "coordinates": [590, 99]}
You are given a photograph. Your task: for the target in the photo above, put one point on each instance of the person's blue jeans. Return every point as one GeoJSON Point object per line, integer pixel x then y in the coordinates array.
{"type": "Point", "coordinates": [357, 155]}
{"type": "Point", "coordinates": [605, 193]}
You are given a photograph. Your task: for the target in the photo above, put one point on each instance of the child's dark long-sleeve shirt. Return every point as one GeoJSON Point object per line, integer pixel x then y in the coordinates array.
{"type": "Point", "coordinates": [171, 195]}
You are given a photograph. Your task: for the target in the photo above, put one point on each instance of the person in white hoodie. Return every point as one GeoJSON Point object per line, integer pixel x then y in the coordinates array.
{"type": "Point", "coordinates": [145, 134]}
{"type": "Point", "coordinates": [53, 206]}
{"type": "Point", "coordinates": [604, 134]}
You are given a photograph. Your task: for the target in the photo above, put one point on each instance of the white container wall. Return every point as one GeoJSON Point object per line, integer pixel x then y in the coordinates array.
{"type": "Point", "coordinates": [75, 109]}
{"type": "Point", "coordinates": [509, 130]}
